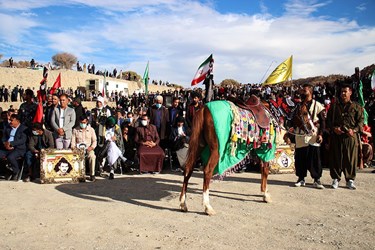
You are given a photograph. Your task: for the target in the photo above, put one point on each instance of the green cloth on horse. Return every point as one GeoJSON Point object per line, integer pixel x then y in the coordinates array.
{"type": "Point", "coordinates": [222, 116]}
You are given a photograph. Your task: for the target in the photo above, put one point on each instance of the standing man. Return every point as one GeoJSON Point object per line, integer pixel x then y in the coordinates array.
{"type": "Point", "coordinates": [27, 109]}
{"type": "Point", "coordinates": [62, 122]}
{"type": "Point", "coordinates": [159, 116]}
{"type": "Point", "coordinates": [345, 121]}
{"type": "Point", "coordinates": [307, 153]}
{"type": "Point", "coordinates": [174, 111]}
{"type": "Point", "coordinates": [78, 108]}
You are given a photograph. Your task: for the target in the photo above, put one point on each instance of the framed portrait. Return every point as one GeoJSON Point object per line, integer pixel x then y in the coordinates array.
{"type": "Point", "coordinates": [58, 166]}
{"type": "Point", "coordinates": [284, 160]}
{"type": "Point", "coordinates": [168, 100]}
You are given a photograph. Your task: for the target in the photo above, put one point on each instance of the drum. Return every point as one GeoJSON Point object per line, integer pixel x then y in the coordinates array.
{"type": "Point", "coordinates": [284, 160]}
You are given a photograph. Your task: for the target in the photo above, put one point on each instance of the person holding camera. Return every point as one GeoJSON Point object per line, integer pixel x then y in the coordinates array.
{"type": "Point", "coordinates": [345, 120]}
{"type": "Point", "coordinates": [307, 153]}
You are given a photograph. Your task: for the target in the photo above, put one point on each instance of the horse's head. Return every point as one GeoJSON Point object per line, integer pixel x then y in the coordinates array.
{"type": "Point", "coordinates": [301, 119]}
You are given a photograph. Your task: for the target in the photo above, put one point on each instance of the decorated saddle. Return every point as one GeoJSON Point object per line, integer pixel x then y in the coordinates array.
{"type": "Point", "coordinates": [238, 133]}
{"type": "Point", "coordinates": [254, 105]}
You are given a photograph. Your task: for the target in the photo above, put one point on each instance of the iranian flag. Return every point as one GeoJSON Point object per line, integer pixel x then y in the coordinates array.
{"type": "Point", "coordinates": [204, 69]}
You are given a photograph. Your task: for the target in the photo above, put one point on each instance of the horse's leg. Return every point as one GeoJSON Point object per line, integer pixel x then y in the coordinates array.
{"type": "Point", "coordinates": [187, 174]}
{"type": "Point", "coordinates": [211, 137]}
{"type": "Point", "coordinates": [208, 172]}
{"type": "Point", "coordinates": [265, 168]}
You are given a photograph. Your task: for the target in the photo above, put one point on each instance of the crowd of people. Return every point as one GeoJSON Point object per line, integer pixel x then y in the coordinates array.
{"type": "Point", "coordinates": [139, 132]}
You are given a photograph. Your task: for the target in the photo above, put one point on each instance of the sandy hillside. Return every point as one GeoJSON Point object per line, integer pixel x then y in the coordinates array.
{"type": "Point", "coordinates": [69, 78]}
{"type": "Point", "coordinates": [29, 78]}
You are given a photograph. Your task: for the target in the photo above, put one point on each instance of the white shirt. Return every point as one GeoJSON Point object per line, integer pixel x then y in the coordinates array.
{"type": "Point", "coordinates": [62, 118]}
{"type": "Point", "coordinates": [12, 134]}
{"type": "Point", "coordinates": [305, 140]}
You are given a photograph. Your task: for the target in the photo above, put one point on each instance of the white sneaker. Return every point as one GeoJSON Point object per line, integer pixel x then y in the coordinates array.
{"type": "Point", "coordinates": [335, 183]}
{"type": "Point", "coordinates": [317, 184]}
{"type": "Point", "coordinates": [350, 185]}
{"type": "Point", "coordinates": [300, 183]}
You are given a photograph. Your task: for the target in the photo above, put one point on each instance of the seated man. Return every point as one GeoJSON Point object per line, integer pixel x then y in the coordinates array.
{"type": "Point", "coordinates": [150, 154]}
{"type": "Point", "coordinates": [179, 141]}
{"type": "Point", "coordinates": [40, 139]}
{"type": "Point", "coordinates": [84, 136]}
{"type": "Point", "coordinates": [14, 140]}
{"type": "Point", "coordinates": [113, 147]}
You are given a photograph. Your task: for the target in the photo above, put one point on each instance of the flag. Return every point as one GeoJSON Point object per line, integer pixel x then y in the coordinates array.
{"type": "Point", "coordinates": [104, 84]}
{"type": "Point", "coordinates": [361, 101]}
{"type": "Point", "coordinates": [282, 73]}
{"type": "Point", "coordinates": [373, 80]}
{"type": "Point", "coordinates": [39, 110]}
{"type": "Point", "coordinates": [145, 79]}
{"type": "Point", "coordinates": [203, 70]}
{"type": "Point", "coordinates": [56, 85]}
{"type": "Point", "coordinates": [43, 84]}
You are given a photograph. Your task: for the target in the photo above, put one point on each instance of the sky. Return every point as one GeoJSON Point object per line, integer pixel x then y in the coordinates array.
{"type": "Point", "coordinates": [248, 38]}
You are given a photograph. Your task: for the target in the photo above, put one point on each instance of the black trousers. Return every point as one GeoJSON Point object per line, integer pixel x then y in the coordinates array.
{"type": "Point", "coordinates": [308, 158]}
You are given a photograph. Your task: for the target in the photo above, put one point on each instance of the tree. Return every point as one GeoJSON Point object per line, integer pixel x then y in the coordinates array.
{"type": "Point", "coordinates": [64, 60]}
{"type": "Point", "coordinates": [230, 82]}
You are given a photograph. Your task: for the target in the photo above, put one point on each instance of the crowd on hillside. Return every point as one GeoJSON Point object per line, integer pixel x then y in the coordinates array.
{"type": "Point", "coordinates": [140, 132]}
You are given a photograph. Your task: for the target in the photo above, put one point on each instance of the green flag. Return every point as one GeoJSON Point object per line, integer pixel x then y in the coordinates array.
{"type": "Point", "coordinates": [361, 101]}
{"type": "Point", "coordinates": [145, 79]}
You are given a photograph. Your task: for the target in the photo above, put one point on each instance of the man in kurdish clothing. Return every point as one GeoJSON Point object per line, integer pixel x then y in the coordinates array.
{"type": "Point", "coordinates": [150, 154]}
{"type": "Point", "coordinates": [307, 153]}
{"type": "Point", "coordinates": [345, 120]}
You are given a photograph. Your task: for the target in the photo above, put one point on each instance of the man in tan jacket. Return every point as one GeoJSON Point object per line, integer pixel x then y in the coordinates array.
{"type": "Point", "coordinates": [84, 136]}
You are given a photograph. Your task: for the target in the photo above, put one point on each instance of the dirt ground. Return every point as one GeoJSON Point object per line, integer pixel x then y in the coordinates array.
{"type": "Point", "coordinates": [141, 212]}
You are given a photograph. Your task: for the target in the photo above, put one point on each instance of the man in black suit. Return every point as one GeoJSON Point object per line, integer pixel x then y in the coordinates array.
{"type": "Point", "coordinates": [175, 111]}
{"type": "Point", "coordinates": [14, 140]}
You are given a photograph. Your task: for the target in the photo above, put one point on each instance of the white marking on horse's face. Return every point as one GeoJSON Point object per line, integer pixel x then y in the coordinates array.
{"type": "Point", "coordinates": [206, 198]}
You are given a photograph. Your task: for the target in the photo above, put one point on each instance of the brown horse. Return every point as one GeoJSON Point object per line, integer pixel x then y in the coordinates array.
{"type": "Point", "coordinates": [204, 134]}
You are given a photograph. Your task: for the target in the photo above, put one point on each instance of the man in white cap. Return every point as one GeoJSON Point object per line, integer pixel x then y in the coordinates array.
{"type": "Point", "coordinates": [100, 113]}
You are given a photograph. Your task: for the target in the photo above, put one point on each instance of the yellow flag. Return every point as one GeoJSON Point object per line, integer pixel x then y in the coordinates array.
{"type": "Point", "coordinates": [282, 73]}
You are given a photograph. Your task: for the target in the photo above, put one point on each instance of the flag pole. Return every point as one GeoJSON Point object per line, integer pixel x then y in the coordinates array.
{"type": "Point", "coordinates": [266, 71]}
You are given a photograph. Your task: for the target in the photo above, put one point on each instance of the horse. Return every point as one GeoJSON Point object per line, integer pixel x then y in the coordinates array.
{"type": "Point", "coordinates": [204, 134]}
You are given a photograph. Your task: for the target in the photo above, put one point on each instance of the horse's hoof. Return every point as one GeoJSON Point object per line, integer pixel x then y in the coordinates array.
{"type": "Point", "coordinates": [210, 211]}
{"type": "Point", "coordinates": [267, 198]}
{"type": "Point", "coordinates": [183, 208]}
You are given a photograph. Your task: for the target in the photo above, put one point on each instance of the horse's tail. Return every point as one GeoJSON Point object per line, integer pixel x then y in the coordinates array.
{"type": "Point", "coordinates": [195, 139]}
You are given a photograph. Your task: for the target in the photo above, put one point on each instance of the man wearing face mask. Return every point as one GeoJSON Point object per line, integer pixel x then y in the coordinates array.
{"type": "Point", "coordinates": [159, 116]}
{"type": "Point", "coordinates": [40, 139]}
{"type": "Point", "coordinates": [84, 136]}
{"type": "Point", "coordinates": [130, 119]}
{"type": "Point", "coordinates": [307, 153]}
{"type": "Point", "coordinates": [151, 156]}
